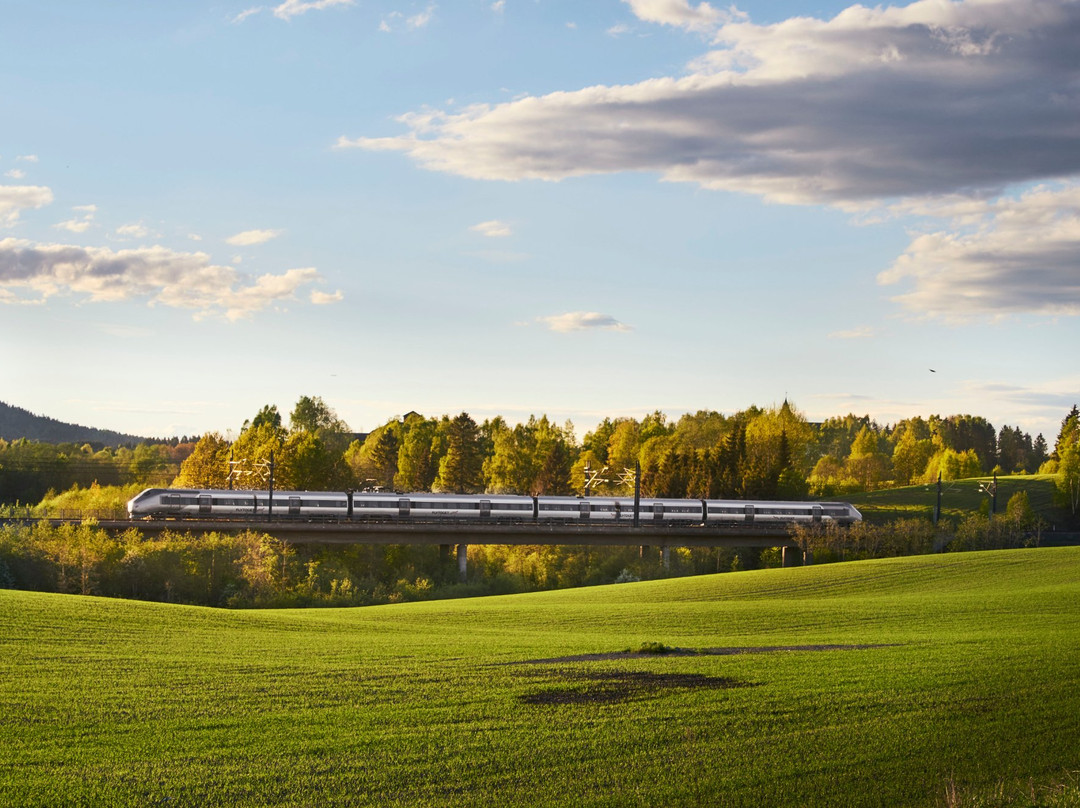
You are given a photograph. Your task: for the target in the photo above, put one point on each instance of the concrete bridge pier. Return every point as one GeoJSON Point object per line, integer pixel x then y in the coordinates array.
{"type": "Point", "coordinates": [666, 555]}
{"type": "Point", "coordinates": [462, 561]}
{"type": "Point", "coordinates": [808, 558]}
{"type": "Point", "coordinates": [791, 556]}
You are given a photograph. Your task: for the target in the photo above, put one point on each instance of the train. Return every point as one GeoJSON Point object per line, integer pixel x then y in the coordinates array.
{"type": "Point", "coordinates": [194, 503]}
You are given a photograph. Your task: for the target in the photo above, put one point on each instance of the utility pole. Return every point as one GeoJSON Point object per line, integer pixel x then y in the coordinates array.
{"type": "Point", "coordinates": [637, 493]}
{"type": "Point", "coordinates": [269, 467]}
{"type": "Point", "coordinates": [937, 507]}
{"type": "Point", "coordinates": [990, 489]}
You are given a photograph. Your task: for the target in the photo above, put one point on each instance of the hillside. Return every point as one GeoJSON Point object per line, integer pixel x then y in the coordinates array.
{"type": "Point", "coordinates": [16, 423]}
{"type": "Point", "coordinates": [890, 682]}
{"type": "Point", "coordinates": [962, 497]}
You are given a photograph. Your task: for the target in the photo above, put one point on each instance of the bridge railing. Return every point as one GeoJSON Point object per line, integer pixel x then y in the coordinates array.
{"type": "Point", "coordinates": [13, 512]}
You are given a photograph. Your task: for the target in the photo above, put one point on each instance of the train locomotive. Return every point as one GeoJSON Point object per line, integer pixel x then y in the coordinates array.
{"type": "Point", "coordinates": [190, 503]}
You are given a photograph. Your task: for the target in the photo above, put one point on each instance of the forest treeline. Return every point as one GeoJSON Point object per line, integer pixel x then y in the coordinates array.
{"type": "Point", "coordinates": [253, 569]}
{"type": "Point", "coordinates": [759, 453]}
{"type": "Point", "coordinates": [771, 453]}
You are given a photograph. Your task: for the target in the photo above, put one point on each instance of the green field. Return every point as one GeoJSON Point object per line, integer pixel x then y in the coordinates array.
{"type": "Point", "coordinates": [960, 498]}
{"type": "Point", "coordinates": [958, 674]}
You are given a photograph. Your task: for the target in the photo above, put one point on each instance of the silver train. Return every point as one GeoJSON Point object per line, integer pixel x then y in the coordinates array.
{"type": "Point", "coordinates": [186, 503]}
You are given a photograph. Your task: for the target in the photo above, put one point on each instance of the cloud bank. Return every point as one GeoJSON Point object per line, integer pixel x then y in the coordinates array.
{"type": "Point", "coordinates": [1006, 256]}
{"type": "Point", "coordinates": [32, 273]}
{"type": "Point", "coordinates": [16, 198]}
{"type": "Point", "coordinates": [927, 110]}
{"type": "Point", "coordinates": [874, 104]}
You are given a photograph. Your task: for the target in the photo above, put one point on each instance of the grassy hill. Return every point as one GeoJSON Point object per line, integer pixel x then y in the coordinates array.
{"type": "Point", "coordinates": [960, 498]}
{"type": "Point", "coordinates": [894, 682]}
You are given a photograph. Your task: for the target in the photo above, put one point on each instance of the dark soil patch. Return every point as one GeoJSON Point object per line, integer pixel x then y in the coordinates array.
{"type": "Point", "coordinates": [758, 649]}
{"type": "Point", "coordinates": [611, 687]}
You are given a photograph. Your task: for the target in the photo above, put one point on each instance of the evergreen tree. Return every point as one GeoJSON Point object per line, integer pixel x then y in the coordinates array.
{"type": "Point", "coordinates": [461, 468]}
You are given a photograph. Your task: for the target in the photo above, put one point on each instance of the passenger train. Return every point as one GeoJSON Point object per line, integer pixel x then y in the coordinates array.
{"type": "Point", "coordinates": [186, 503]}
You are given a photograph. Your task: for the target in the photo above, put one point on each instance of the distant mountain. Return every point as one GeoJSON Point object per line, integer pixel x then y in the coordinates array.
{"type": "Point", "coordinates": [16, 423]}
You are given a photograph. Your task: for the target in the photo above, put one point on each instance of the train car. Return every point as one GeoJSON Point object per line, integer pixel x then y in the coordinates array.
{"type": "Point", "coordinates": [772, 512]}
{"type": "Point", "coordinates": [466, 506]}
{"type": "Point", "coordinates": [652, 510]}
{"type": "Point", "coordinates": [178, 503]}
{"type": "Point", "coordinates": [581, 508]}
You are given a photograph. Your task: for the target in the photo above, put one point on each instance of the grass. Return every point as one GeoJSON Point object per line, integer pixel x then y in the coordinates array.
{"type": "Point", "coordinates": [960, 498]}
{"type": "Point", "coordinates": [960, 676]}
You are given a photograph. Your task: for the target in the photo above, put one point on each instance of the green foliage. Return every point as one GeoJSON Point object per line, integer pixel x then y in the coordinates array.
{"type": "Point", "coordinates": [461, 466]}
{"type": "Point", "coordinates": [208, 464]}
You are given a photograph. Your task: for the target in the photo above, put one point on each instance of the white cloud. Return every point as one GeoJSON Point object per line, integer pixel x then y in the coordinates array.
{"type": "Point", "coordinates": [499, 6]}
{"type": "Point", "coordinates": [492, 229]}
{"type": "Point", "coordinates": [294, 8]}
{"type": "Point", "coordinates": [75, 225]}
{"type": "Point", "coordinates": [136, 230]}
{"type": "Point", "coordinates": [325, 298]}
{"type": "Point", "coordinates": [618, 30]}
{"type": "Point", "coordinates": [252, 237]}
{"type": "Point", "coordinates": [15, 173]}
{"type": "Point", "coordinates": [16, 198]}
{"type": "Point", "coordinates": [160, 275]}
{"type": "Point", "coordinates": [702, 17]}
{"type": "Point", "coordinates": [1005, 256]}
{"type": "Point", "coordinates": [582, 321]}
{"type": "Point", "coordinates": [874, 104]}
{"type": "Point", "coordinates": [28, 158]}
{"type": "Point", "coordinates": [422, 19]}
{"type": "Point", "coordinates": [248, 12]}
{"type": "Point", "coordinates": [80, 224]}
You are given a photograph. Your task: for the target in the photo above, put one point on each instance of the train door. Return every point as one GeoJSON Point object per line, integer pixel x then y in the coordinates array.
{"type": "Point", "coordinates": [294, 506]}
{"type": "Point", "coordinates": [584, 508]}
{"type": "Point", "coordinates": [749, 510]}
{"type": "Point", "coordinates": [403, 507]}
{"type": "Point", "coordinates": [817, 514]}
{"type": "Point", "coordinates": [657, 511]}
{"type": "Point", "coordinates": [485, 509]}
{"type": "Point", "coordinates": [205, 507]}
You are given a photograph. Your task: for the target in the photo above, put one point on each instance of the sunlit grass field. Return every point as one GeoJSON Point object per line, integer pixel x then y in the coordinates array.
{"type": "Point", "coordinates": [960, 674]}
{"type": "Point", "coordinates": [961, 498]}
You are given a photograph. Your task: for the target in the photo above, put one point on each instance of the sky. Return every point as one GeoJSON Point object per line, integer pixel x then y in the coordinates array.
{"type": "Point", "coordinates": [517, 207]}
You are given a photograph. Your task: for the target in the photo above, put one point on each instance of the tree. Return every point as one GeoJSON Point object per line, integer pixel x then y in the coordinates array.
{"type": "Point", "coordinates": [910, 456]}
{"type": "Point", "coordinates": [513, 465]}
{"type": "Point", "coordinates": [419, 455]}
{"type": "Point", "coordinates": [1068, 476]}
{"type": "Point", "coordinates": [208, 464]}
{"type": "Point", "coordinates": [1069, 435]}
{"type": "Point", "coordinates": [312, 414]}
{"type": "Point", "coordinates": [866, 463]}
{"type": "Point", "coordinates": [461, 468]}
{"type": "Point", "coordinates": [260, 439]}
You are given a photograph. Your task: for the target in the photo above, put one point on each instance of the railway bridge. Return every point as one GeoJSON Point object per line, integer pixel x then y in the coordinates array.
{"type": "Point", "coordinates": [460, 534]}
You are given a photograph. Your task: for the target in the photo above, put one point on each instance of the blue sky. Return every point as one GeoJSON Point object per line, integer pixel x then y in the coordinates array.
{"type": "Point", "coordinates": [529, 206]}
